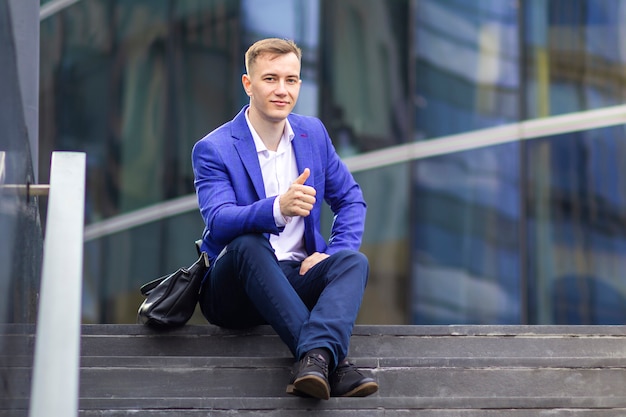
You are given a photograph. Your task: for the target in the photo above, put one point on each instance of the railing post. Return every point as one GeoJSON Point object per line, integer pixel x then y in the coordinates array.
{"type": "Point", "coordinates": [55, 382]}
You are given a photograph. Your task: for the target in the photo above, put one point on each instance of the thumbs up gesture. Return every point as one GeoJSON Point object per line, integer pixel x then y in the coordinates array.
{"type": "Point", "coordinates": [299, 199]}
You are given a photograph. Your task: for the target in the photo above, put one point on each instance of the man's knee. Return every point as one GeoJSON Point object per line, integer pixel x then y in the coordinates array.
{"type": "Point", "coordinates": [356, 261]}
{"type": "Point", "coordinates": [353, 256]}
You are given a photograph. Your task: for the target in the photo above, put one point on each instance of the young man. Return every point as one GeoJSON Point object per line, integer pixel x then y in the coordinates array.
{"type": "Point", "coordinates": [261, 180]}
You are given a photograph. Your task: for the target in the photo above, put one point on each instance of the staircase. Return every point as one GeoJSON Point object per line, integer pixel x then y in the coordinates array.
{"type": "Point", "coordinates": [430, 371]}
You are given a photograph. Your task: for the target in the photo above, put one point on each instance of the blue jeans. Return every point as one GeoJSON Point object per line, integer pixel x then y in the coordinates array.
{"type": "Point", "coordinates": [247, 286]}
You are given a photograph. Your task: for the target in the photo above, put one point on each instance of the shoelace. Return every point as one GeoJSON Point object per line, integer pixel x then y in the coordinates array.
{"type": "Point", "coordinates": [317, 361]}
{"type": "Point", "coordinates": [346, 367]}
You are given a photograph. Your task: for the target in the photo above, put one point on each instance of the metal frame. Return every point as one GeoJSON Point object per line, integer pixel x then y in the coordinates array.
{"type": "Point", "coordinates": [526, 130]}
{"type": "Point", "coordinates": [53, 7]}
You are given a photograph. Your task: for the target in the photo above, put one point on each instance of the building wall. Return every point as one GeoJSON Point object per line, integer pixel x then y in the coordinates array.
{"type": "Point", "coordinates": [525, 230]}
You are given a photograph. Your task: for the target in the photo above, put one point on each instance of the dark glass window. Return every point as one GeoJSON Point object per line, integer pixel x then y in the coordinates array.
{"type": "Point", "coordinates": [577, 227]}
{"type": "Point", "coordinates": [523, 232]}
{"type": "Point", "coordinates": [465, 66]}
{"type": "Point", "coordinates": [574, 55]}
{"type": "Point", "coordinates": [365, 102]}
{"type": "Point", "coordinates": [465, 206]}
{"type": "Point", "coordinates": [365, 105]}
{"type": "Point", "coordinates": [135, 84]}
{"type": "Point", "coordinates": [465, 254]}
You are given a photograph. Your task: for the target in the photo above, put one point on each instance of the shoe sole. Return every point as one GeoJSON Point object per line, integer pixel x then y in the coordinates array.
{"type": "Point", "coordinates": [362, 390]}
{"type": "Point", "coordinates": [310, 385]}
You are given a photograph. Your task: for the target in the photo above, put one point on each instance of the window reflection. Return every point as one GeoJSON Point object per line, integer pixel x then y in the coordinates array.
{"type": "Point", "coordinates": [365, 99]}
{"type": "Point", "coordinates": [465, 246]}
{"type": "Point", "coordinates": [292, 19]}
{"type": "Point", "coordinates": [466, 66]}
{"type": "Point", "coordinates": [135, 84]}
{"type": "Point", "coordinates": [576, 57]}
{"type": "Point", "coordinates": [386, 244]}
{"type": "Point", "coordinates": [577, 228]}
{"type": "Point", "coordinates": [469, 237]}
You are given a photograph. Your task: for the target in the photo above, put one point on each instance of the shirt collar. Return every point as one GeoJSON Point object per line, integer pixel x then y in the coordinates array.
{"type": "Point", "coordinates": [258, 143]}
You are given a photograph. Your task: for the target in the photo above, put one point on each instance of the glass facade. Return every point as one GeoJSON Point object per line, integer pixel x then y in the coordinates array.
{"type": "Point", "coordinates": [576, 227]}
{"type": "Point", "coordinates": [21, 241]}
{"type": "Point", "coordinates": [465, 248]}
{"type": "Point", "coordinates": [575, 61]}
{"type": "Point", "coordinates": [466, 58]}
{"type": "Point", "coordinates": [574, 55]}
{"type": "Point", "coordinates": [528, 230]}
{"type": "Point", "coordinates": [21, 244]}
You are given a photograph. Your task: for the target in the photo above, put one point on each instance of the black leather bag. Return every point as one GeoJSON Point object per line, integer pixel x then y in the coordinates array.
{"type": "Point", "coordinates": [171, 299]}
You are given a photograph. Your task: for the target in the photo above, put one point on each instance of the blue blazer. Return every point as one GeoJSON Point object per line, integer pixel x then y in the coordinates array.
{"type": "Point", "coordinates": [231, 193]}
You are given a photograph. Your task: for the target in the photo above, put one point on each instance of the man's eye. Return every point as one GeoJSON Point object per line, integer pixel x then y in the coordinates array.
{"type": "Point", "coordinates": [292, 81]}
{"type": "Point", "coordinates": [269, 78]}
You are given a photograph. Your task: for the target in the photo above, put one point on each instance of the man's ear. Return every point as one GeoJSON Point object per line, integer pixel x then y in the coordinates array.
{"type": "Point", "coordinates": [245, 81]}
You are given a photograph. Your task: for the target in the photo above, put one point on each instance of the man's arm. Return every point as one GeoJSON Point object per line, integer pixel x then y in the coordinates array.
{"type": "Point", "coordinates": [345, 198]}
{"type": "Point", "coordinates": [228, 204]}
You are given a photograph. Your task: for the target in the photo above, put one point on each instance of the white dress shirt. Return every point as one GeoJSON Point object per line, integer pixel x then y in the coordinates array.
{"type": "Point", "coordinates": [279, 170]}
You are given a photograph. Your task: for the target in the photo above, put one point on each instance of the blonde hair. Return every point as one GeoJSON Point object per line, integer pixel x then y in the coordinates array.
{"type": "Point", "coordinates": [274, 46]}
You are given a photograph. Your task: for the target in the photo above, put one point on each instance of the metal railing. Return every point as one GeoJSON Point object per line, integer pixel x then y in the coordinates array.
{"type": "Point", "coordinates": [493, 136]}
{"type": "Point", "coordinates": [55, 384]}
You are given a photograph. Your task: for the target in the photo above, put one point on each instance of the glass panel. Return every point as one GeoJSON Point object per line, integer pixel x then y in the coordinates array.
{"type": "Point", "coordinates": [576, 55]}
{"type": "Point", "coordinates": [576, 227]}
{"type": "Point", "coordinates": [135, 84]}
{"type": "Point", "coordinates": [465, 247]}
{"type": "Point", "coordinates": [365, 104]}
{"type": "Point", "coordinates": [386, 242]}
{"type": "Point", "coordinates": [20, 228]}
{"type": "Point", "coordinates": [21, 241]}
{"type": "Point", "coordinates": [117, 265]}
{"type": "Point", "coordinates": [466, 66]}
{"type": "Point", "coordinates": [291, 19]}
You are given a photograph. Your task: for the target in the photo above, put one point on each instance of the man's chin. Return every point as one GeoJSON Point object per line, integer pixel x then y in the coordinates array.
{"type": "Point", "coordinates": [279, 115]}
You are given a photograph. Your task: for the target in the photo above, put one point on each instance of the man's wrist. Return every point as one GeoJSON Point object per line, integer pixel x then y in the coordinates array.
{"type": "Point", "coordinates": [279, 218]}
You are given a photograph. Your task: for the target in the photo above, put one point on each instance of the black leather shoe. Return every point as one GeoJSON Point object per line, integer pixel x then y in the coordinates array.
{"type": "Point", "coordinates": [348, 381]}
{"type": "Point", "coordinates": [310, 377]}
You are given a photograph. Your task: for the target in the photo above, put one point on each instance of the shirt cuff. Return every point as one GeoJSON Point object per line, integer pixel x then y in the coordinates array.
{"type": "Point", "coordinates": [281, 221]}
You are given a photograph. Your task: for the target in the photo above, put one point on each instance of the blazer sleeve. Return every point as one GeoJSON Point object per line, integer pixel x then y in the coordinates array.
{"type": "Point", "coordinates": [225, 195]}
{"type": "Point", "coordinates": [345, 198]}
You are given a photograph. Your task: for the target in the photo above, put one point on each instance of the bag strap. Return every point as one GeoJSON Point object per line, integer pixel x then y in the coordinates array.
{"type": "Point", "coordinates": [146, 288]}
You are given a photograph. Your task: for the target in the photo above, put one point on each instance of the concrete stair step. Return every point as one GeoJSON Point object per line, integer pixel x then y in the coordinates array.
{"type": "Point", "coordinates": [440, 371]}
{"type": "Point", "coordinates": [367, 341]}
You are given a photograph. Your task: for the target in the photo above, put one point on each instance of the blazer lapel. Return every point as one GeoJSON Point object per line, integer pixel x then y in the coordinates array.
{"type": "Point", "coordinates": [247, 152]}
{"type": "Point", "coordinates": [304, 153]}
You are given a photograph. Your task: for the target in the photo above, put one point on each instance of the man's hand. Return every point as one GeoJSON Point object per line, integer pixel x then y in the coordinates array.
{"type": "Point", "coordinates": [299, 199]}
{"type": "Point", "coordinates": [311, 261]}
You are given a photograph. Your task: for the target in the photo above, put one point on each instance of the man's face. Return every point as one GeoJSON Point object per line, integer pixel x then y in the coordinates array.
{"type": "Point", "coordinates": [273, 86]}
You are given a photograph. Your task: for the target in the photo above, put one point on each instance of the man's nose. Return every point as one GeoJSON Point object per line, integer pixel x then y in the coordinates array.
{"type": "Point", "coordinates": [281, 88]}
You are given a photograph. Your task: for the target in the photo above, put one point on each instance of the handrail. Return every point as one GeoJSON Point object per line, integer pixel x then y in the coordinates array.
{"type": "Point", "coordinates": [28, 189]}
{"type": "Point", "coordinates": [55, 381]}
{"type": "Point", "coordinates": [53, 7]}
{"type": "Point", "coordinates": [443, 145]}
